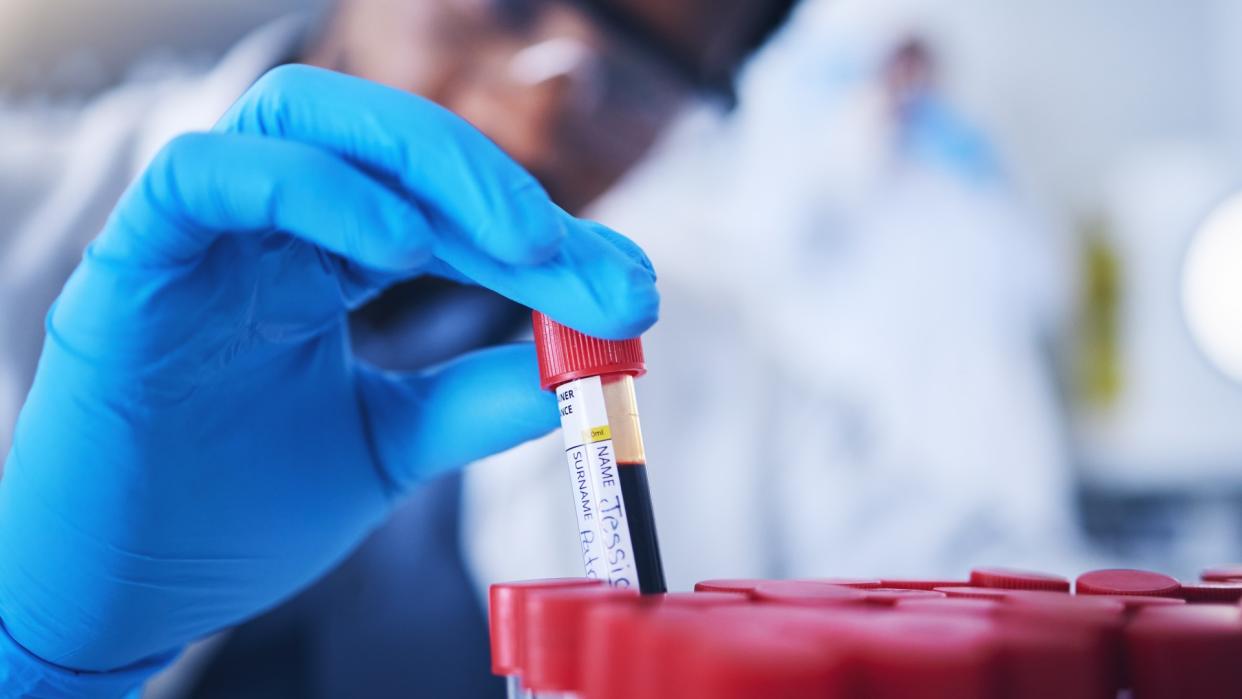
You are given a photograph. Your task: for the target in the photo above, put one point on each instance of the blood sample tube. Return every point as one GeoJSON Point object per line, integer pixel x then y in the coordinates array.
{"type": "Point", "coordinates": [594, 384]}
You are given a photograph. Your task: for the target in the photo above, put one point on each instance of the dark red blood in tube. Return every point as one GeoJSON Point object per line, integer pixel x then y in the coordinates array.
{"type": "Point", "coordinates": [636, 493]}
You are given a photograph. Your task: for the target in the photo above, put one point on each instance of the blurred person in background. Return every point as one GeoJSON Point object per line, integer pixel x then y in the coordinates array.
{"type": "Point", "coordinates": [576, 92]}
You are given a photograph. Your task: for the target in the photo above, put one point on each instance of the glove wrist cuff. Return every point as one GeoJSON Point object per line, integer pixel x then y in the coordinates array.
{"type": "Point", "coordinates": [23, 674]}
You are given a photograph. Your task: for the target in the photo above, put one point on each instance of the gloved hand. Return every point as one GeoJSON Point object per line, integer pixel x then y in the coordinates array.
{"type": "Point", "coordinates": [199, 442]}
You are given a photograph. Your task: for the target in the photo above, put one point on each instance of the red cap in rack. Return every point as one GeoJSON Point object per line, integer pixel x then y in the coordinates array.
{"type": "Point", "coordinates": [555, 621]}
{"type": "Point", "coordinates": [1134, 603]}
{"type": "Point", "coordinates": [1189, 651]}
{"type": "Point", "coordinates": [1007, 579]}
{"type": "Point", "coordinates": [1225, 573]}
{"type": "Point", "coordinates": [1039, 660]}
{"type": "Point", "coordinates": [1120, 581]}
{"type": "Point", "coordinates": [856, 583]}
{"type": "Point", "coordinates": [1212, 591]}
{"type": "Point", "coordinates": [751, 661]}
{"type": "Point", "coordinates": [612, 649]}
{"type": "Point", "coordinates": [807, 594]}
{"type": "Point", "coordinates": [931, 656]}
{"type": "Point", "coordinates": [970, 592]}
{"type": "Point", "coordinates": [566, 354]}
{"type": "Point", "coordinates": [745, 585]}
{"type": "Point", "coordinates": [921, 584]}
{"type": "Point", "coordinates": [890, 596]}
{"type": "Point", "coordinates": [506, 602]}
{"type": "Point", "coordinates": [698, 600]}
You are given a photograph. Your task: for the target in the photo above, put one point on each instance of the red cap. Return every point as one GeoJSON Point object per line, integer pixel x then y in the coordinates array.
{"type": "Point", "coordinates": [506, 603]}
{"type": "Point", "coordinates": [891, 596]}
{"type": "Point", "coordinates": [701, 600]}
{"type": "Point", "coordinates": [1053, 659]}
{"type": "Point", "coordinates": [970, 592]}
{"type": "Point", "coordinates": [932, 656]}
{"type": "Point", "coordinates": [566, 354]}
{"type": "Point", "coordinates": [1212, 591]}
{"type": "Point", "coordinates": [1225, 573]}
{"type": "Point", "coordinates": [555, 626]}
{"type": "Point", "coordinates": [1134, 603]}
{"type": "Point", "coordinates": [1126, 582]}
{"type": "Point", "coordinates": [960, 606]}
{"type": "Point", "coordinates": [1096, 622]}
{"type": "Point", "coordinates": [807, 594]}
{"type": "Point", "coordinates": [1189, 651]}
{"type": "Point", "coordinates": [856, 583]}
{"type": "Point", "coordinates": [612, 650]}
{"type": "Point", "coordinates": [923, 584]}
{"type": "Point", "coordinates": [745, 585]}
{"type": "Point", "coordinates": [1008, 579]}
{"type": "Point", "coordinates": [744, 661]}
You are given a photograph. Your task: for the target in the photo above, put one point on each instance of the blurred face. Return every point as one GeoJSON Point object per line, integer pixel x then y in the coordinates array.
{"type": "Point", "coordinates": [573, 103]}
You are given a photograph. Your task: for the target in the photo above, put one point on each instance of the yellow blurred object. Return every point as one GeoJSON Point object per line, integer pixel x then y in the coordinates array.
{"type": "Point", "coordinates": [1098, 374]}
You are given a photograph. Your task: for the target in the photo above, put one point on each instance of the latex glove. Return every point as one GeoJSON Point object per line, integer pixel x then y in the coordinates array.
{"type": "Point", "coordinates": [199, 442]}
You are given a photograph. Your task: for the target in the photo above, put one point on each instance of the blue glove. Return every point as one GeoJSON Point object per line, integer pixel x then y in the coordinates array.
{"type": "Point", "coordinates": [199, 442]}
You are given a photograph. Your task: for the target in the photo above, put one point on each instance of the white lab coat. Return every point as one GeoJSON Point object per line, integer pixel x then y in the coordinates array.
{"type": "Point", "coordinates": [877, 411]}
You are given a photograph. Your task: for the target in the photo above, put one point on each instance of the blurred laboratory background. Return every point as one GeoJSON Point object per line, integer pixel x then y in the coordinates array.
{"type": "Point", "coordinates": [938, 246]}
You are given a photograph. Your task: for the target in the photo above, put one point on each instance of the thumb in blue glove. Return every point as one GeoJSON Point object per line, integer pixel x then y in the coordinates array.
{"type": "Point", "coordinates": [199, 442]}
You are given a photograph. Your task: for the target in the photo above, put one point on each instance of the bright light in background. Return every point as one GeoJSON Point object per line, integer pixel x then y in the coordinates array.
{"type": "Point", "coordinates": [1212, 287]}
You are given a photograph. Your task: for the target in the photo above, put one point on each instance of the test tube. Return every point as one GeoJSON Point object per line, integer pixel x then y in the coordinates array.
{"type": "Point", "coordinates": [594, 384]}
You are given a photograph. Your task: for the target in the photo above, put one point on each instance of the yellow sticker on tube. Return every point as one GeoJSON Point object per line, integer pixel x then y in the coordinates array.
{"type": "Point", "coordinates": [598, 434]}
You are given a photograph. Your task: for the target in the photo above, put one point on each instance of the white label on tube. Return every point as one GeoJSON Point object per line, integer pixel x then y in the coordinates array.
{"type": "Point", "coordinates": [603, 529]}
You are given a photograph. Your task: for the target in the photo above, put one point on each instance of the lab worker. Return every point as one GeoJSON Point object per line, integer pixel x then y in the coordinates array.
{"type": "Point", "coordinates": [850, 376]}
{"type": "Point", "coordinates": [201, 443]}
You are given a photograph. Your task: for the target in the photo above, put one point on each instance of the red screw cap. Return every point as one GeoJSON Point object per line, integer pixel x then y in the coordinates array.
{"type": "Point", "coordinates": [807, 594]}
{"type": "Point", "coordinates": [1007, 579]}
{"type": "Point", "coordinates": [698, 600]}
{"type": "Point", "coordinates": [1141, 583]}
{"type": "Point", "coordinates": [555, 626]}
{"type": "Point", "coordinates": [1053, 659]}
{"type": "Point", "coordinates": [1133, 603]}
{"type": "Point", "coordinates": [931, 656]}
{"type": "Point", "coordinates": [613, 649]}
{"type": "Point", "coordinates": [856, 583]}
{"type": "Point", "coordinates": [976, 593]}
{"type": "Point", "coordinates": [759, 661]}
{"type": "Point", "coordinates": [1212, 592]}
{"type": "Point", "coordinates": [1225, 573]}
{"type": "Point", "coordinates": [566, 354]}
{"type": "Point", "coordinates": [744, 585]}
{"type": "Point", "coordinates": [889, 597]}
{"type": "Point", "coordinates": [1189, 651]}
{"type": "Point", "coordinates": [506, 602]}
{"type": "Point", "coordinates": [914, 584]}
